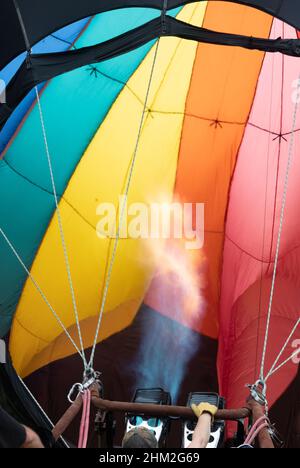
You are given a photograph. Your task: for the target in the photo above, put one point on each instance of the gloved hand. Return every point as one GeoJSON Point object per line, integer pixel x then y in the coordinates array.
{"type": "Point", "coordinates": [205, 413]}
{"type": "Point", "coordinates": [204, 408]}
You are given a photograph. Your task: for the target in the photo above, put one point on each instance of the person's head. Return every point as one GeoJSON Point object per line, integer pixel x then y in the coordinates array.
{"type": "Point", "coordinates": [139, 437]}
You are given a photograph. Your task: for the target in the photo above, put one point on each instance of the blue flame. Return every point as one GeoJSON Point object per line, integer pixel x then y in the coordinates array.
{"type": "Point", "coordinates": [166, 349]}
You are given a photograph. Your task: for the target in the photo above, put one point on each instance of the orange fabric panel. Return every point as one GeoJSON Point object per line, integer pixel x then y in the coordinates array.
{"type": "Point", "coordinates": [221, 94]}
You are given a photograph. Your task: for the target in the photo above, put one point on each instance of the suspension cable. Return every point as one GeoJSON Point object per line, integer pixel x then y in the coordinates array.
{"type": "Point", "coordinates": [281, 223]}
{"type": "Point", "coordinates": [274, 368]}
{"type": "Point", "coordinates": [60, 225]}
{"type": "Point", "coordinates": [82, 352]}
{"type": "Point", "coordinates": [39, 289]}
{"type": "Point", "coordinates": [265, 218]}
{"type": "Point", "coordinates": [131, 171]}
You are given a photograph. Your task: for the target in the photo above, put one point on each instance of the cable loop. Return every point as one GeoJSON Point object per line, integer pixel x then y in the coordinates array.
{"type": "Point", "coordinates": [258, 392]}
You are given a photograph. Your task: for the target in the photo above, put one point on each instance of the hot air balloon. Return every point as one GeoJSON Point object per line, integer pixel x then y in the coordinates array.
{"type": "Point", "coordinates": [142, 109]}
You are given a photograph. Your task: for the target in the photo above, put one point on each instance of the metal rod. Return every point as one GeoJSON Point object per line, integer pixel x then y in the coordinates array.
{"type": "Point", "coordinates": [165, 410]}
{"type": "Point", "coordinates": [67, 418]}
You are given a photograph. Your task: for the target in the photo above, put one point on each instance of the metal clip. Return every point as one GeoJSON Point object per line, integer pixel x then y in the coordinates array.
{"type": "Point", "coordinates": [80, 389]}
{"type": "Point", "coordinates": [258, 392]}
{"type": "Point", "coordinates": [2, 348]}
{"type": "Point", "coordinates": [88, 383]}
{"type": "Point", "coordinates": [90, 378]}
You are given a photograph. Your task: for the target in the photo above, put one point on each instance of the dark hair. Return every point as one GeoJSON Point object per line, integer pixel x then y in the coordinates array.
{"type": "Point", "coordinates": [139, 437]}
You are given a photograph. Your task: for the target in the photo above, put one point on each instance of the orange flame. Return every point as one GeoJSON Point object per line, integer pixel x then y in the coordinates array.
{"type": "Point", "coordinates": [177, 289]}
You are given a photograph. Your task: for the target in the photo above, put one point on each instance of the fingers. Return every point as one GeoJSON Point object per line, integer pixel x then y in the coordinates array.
{"type": "Point", "coordinates": [204, 408]}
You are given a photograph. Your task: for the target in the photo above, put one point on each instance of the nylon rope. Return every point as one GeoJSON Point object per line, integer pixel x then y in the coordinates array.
{"type": "Point", "coordinates": [39, 289]}
{"type": "Point", "coordinates": [131, 171]}
{"type": "Point", "coordinates": [281, 223]}
{"type": "Point", "coordinates": [260, 424]}
{"type": "Point", "coordinates": [60, 224]}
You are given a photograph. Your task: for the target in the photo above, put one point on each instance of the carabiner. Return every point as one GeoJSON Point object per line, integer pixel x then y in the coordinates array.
{"type": "Point", "coordinates": [258, 392]}
{"type": "Point", "coordinates": [80, 389]}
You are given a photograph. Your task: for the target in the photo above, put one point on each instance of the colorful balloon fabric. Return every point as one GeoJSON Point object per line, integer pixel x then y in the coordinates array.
{"type": "Point", "coordinates": [219, 129]}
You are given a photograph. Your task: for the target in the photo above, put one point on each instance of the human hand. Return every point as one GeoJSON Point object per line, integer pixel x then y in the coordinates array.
{"type": "Point", "coordinates": [204, 408]}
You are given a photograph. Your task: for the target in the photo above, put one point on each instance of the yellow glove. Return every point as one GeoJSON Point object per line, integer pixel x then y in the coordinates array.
{"type": "Point", "coordinates": [204, 408]}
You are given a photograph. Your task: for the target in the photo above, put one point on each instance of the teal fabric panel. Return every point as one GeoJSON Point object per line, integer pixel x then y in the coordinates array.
{"type": "Point", "coordinates": [74, 106]}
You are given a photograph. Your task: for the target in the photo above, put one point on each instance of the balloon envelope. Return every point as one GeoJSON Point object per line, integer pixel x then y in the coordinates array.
{"type": "Point", "coordinates": [218, 130]}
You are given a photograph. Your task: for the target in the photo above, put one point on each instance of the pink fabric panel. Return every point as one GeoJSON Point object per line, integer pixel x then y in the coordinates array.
{"type": "Point", "coordinates": [247, 336]}
{"type": "Point", "coordinates": [261, 169]}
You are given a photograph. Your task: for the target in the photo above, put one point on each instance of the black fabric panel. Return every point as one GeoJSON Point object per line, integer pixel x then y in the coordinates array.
{"type": "Point", "coordinates": [12, 433]}
{"type": "Point", "coordinates": [39, 68]}
{"type": "Point", "coordinates": [285, 414]}
{"type": "Point", "coordinates": [11, 37]}
{"type": "Point", "coordinates": [117, 358]}
{"type": "Point", "coordinates": [186, 31]}
{"type": "Point", "coordinates": [15, 399]}
{"type": "Point", "coordinates": [43, 17]}
{"type": "Point", "coordinates": [43, 67]}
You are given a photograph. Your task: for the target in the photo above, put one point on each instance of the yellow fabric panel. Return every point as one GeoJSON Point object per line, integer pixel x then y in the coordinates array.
{"type": "Point", "coordinates": [62, 347]}
{"type": "Point", "coordinates": [101, 177]}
